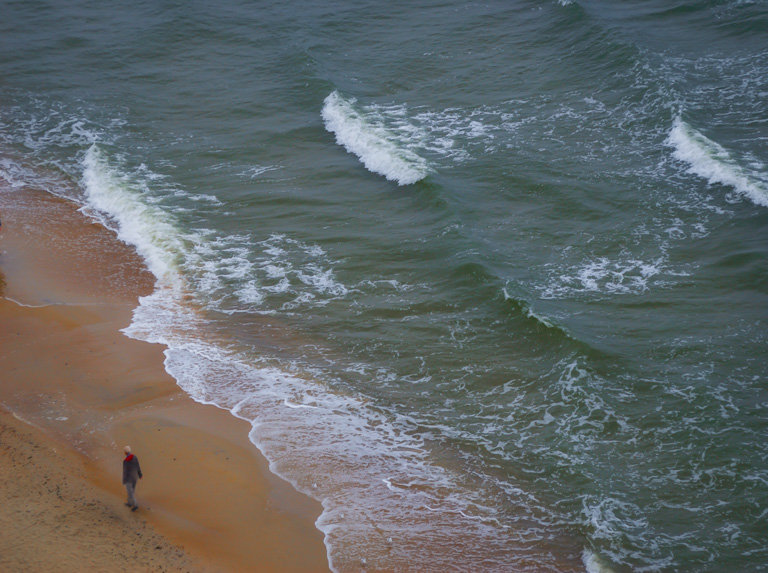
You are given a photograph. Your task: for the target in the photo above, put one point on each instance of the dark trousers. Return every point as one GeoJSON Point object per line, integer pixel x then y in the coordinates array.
{"type": "Point", "coordinates": [130, 487]}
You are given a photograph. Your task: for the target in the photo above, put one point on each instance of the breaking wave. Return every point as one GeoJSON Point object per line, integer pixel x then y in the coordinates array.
{"type": "Point", "coordinates": [371, 142]}
{"type": "Point", "coordinates": [115, 200]}
{"type": "Point", "coordinates": [711, 161]}
{"type": "Point", "coordinates": [383, 497]}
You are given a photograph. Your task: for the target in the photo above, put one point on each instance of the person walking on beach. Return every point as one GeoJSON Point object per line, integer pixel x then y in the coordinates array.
{"type": "Point", "coordinates": [131, 474]}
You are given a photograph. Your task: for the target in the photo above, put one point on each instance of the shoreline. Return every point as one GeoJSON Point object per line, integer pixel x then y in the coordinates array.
{"type": "Point", "coordinates": [84, 389]}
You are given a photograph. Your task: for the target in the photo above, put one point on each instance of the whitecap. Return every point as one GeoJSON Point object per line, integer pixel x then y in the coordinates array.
{"type": "Point", "coordinates": [115, 200]}
{"type": "Point", "coordinates": [371, 142]}
{"type": "Point", "coordinates": [711, 161]}
{"type": "Point", "coordinates": [606, 276]}
{"type": "Point", "coordinates": [593, 563]}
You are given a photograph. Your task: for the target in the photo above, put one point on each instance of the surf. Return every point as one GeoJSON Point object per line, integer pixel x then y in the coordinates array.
{"type": "Point", "coordinates": [711, 161]}
{"type": "Point", "coordinates": [301, 425]}
{"type": "Point", "coordinates": [115, 201]}
{"type": "Point", "coordinates": [368, 139]}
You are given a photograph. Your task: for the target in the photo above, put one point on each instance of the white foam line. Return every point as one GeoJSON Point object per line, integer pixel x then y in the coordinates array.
{"type": "Point", "coordinates": [296, 406]}
{"type": "Point", "coordinates": [593, 563]}
{"type": "Point", "coordinates": [711, 161]}
{"type": "Point", "coordinates": [145, 227]}
{"type": "Point", "coordinates": [19, 303]}
{"type": "Point", "coordinates": [18, 416]}
{"type": "Point", "coordinates": [371, 143]}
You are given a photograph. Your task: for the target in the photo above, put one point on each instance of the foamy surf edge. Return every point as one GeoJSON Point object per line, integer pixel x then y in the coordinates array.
{"type": "Point", "coordinates": [711, 161]}
{"type": "Point", "coordinates": [303, 428]}
{"type": "Point", "coordinates": [114, 199]}
{"type": "Point", "coordinates": [370, 141]}
{"type": "Point", "coordinates": [593, 563]}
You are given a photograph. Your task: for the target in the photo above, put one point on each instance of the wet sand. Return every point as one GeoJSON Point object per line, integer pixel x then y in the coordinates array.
{"type": "Point", "coordinates": [74, 390]}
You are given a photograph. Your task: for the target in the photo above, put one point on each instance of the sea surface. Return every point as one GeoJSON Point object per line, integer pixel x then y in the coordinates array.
{"type": "Point", "coordinates": [488, 279]}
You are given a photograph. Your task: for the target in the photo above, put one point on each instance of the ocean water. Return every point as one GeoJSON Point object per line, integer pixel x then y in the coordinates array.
{"type": "Point", "coordinates": [489, 280]}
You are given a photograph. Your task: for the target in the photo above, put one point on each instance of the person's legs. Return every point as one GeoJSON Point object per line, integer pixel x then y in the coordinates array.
{"type": "Point", "coordinates": [131, 489]}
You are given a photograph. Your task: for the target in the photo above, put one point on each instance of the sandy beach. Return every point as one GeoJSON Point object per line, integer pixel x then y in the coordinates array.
{"type": "Point", "coordinates": [74, 390]}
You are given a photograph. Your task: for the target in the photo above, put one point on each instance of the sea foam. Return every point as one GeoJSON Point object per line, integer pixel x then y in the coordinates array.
{"type": "Point", "coordinates": [710, 160]}
{"type": "Point", "coordinates": [115, 200]}
{"type": "Point", "coordinates": [371, 142]}
{"type": "Point", "coordinates": [593, 563]}
{"type": "Point", "coordinates": [333, 446]}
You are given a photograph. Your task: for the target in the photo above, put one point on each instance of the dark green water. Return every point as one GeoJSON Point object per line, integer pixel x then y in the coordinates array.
{"type": "Point", "coordinates": [489, 280]}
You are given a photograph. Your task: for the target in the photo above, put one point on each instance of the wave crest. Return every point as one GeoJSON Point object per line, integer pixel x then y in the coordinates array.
{"type": "Point", "coordinates": [115, 200]}
{"type": "Point", "coordinates": [371, 142]}
{"type": "Point", "coordinates": [710, 160]}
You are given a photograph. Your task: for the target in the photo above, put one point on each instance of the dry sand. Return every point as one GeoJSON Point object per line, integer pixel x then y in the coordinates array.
{"type": "Point", "coordinates": [53, 519]}
{"type": "Point", "coordinates": [74, 390]}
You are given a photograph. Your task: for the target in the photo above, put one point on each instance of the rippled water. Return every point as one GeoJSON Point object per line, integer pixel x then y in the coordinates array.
{"type": "Point", "coordinates": [488, 280]}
